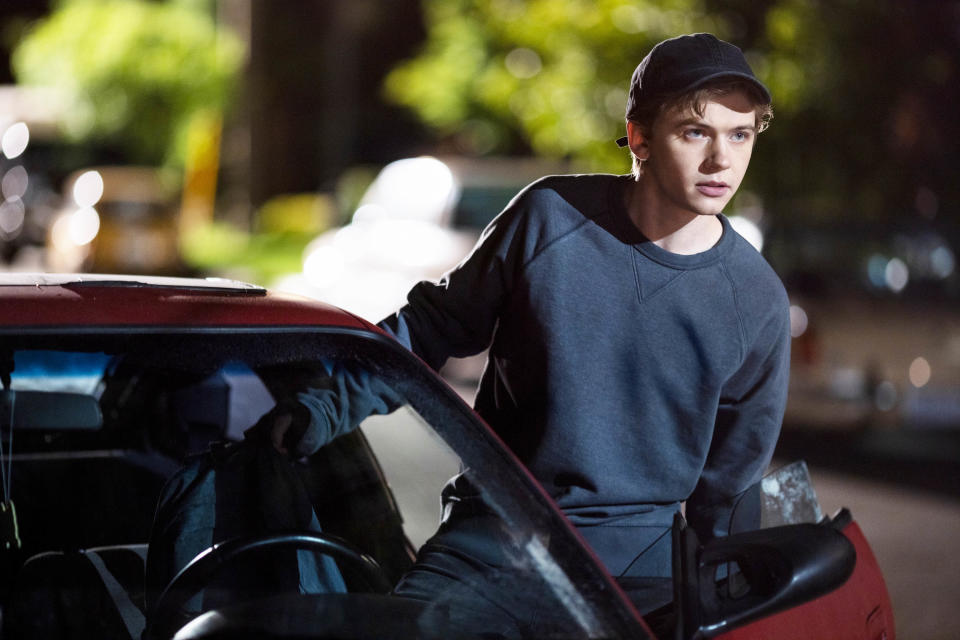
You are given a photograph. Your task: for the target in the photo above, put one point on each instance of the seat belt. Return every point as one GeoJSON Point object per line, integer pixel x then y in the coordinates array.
{"type": "Point", "coordinates": [132, 616]}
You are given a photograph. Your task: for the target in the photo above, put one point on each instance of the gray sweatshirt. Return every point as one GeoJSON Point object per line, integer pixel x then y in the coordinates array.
{"type": "Point", "coordinates": [627, 378]}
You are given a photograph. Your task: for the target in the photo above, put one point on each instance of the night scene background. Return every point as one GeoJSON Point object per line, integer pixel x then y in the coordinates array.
{"type": "Point", "coordinates": [260, 141]}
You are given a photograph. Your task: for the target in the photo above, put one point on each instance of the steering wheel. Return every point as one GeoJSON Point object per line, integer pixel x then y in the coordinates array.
{"type": "Point", "coordinates": [170, 612]}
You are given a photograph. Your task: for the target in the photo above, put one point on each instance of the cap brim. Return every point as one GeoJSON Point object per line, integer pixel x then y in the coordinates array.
{"type": "Point", "coordinates": [726, 73]}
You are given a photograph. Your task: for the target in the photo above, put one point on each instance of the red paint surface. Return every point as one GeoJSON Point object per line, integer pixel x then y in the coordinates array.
{"type": "Point", "coordinates": [858, 610]}
{"type": "Point", "coordinates": [86, 306]}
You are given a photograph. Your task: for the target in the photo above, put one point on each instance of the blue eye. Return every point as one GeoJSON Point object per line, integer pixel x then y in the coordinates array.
{"type": "Point", "coordinates": [694, 133]}
{"type": "Point", "coordinates": [740, 136]}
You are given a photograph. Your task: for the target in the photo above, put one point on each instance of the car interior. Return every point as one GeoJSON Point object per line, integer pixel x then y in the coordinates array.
{"type": "Point", "coordinates": [92, 430]}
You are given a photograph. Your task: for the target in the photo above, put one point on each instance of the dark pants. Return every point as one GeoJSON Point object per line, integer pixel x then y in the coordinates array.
{"type": "Point", "coordinates": [471, 567]}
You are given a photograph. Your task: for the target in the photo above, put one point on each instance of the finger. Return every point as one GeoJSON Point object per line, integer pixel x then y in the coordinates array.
{"type": "Point", "coordinates": [280, 426]}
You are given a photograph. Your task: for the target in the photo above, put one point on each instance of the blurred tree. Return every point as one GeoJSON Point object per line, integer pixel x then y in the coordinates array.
{"type": "Point", "coordinates": [136, 72]}
{"type": "Point", "coordinates": [871, 137]}
{"type": "Point", "coordinates": [551, 77]}
{"type": "Point", "coordinates": [863, 90]}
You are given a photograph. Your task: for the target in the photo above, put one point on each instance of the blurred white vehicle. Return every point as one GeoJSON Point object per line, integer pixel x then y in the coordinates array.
{"type": "Point", "coordinates": [419, 218]}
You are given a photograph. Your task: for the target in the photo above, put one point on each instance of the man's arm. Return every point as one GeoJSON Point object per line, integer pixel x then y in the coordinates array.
{"type": "Point", "coordinates": [747, 427]}
{"type": "Point", "coordinates": [457, 316]}
{"type": "Point", "coordinates": [454, 317]}
{"type": "Point", "coordinates": [335, 402]}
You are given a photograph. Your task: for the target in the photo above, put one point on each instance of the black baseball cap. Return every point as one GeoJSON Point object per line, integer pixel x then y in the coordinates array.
{"type": "Point", "coordinates": [683, 63]}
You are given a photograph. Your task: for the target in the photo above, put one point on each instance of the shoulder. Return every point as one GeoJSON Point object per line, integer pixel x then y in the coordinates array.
{"type": "Point", "coordinates": [750, 271]}
{"type": "Point", "coordinates": [556, 205]}
{"type": "Point", "coordinates": [586, 193]}
{"type": "Point", "coordinates": [761, 296]}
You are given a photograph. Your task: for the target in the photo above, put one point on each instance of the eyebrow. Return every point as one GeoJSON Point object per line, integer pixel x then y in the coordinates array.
{"type": "Point", "coordinates": [703, 125]}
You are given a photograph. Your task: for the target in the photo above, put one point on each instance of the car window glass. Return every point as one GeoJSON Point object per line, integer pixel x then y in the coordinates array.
{"type": "Point", "coordinates": [417, 464]}
{"type": "Point", "coordinates": [165, 398]}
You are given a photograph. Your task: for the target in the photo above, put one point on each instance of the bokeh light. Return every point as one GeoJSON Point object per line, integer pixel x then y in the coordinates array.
{"type": "Point", "coordinates": [798, 321]}
{"type": "Point", "coordinates": [12, 213]}
{"type": "Point", "coordinates": [88, 189]}
{"type": "Point", "coordinates": [885, 396]}
{"type": "Point", "coordinates": [942, 262]}
{"type": "Point", "coordinates": [896, 274]}
{"type": "Point", "coordinates": [15, 139]}
{"type": "Point", "coordinates": [84, 226]}
{"type": "Point", "coordinates": [15, 183]}
{"type": "Point", "coordinates": [920, 372]}
{"type": "Point", "coordinates": [523, 63]}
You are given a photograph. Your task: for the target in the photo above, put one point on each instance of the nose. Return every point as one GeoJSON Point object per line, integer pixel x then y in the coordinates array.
{"type": "Point", "coordinates": [718, 156]}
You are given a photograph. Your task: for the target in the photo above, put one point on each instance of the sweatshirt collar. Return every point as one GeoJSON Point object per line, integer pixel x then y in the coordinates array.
{"type": "Point", "coordinates": [627, 231]}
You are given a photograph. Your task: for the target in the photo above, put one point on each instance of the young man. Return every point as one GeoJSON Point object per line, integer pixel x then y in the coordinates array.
{"type": "Point", "coordinates": [639, 346]}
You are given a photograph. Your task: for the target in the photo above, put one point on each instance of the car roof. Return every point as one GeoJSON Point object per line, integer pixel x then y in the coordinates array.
{"type": "Point", "coordinates": [88, 300]}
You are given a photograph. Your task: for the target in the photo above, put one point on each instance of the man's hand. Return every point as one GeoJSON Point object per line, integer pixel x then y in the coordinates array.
{"type": "Point", "coordinates": [279, 429]}
{"type": "Point", "coordinates": [283, 427]}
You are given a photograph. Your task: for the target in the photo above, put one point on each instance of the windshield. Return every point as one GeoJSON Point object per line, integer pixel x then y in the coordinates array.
{"type": "Point", "coordinates": [155, 402]}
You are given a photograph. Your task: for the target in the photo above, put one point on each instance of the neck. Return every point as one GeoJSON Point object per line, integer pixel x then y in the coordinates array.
{"type": "Point", "coordinates": [670, 228]}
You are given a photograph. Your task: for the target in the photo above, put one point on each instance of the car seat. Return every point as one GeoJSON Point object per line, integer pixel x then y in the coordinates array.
{"type": "Point", "coordinates": [92, 593]}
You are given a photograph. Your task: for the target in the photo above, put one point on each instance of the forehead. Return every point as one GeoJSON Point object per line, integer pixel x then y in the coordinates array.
{"type": "Point", "coordinates": [733, 109]}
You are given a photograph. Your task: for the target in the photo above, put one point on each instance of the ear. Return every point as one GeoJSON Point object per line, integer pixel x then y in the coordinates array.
{"type": "Point", "coordinates": [637, 140]}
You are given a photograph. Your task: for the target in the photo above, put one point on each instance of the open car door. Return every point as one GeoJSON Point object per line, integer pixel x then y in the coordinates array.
{"type": "Point", "coordinates": [799, 576]}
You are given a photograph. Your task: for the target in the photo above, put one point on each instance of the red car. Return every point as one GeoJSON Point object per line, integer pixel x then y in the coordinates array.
{"type": "Point", "coordinates": [112, 386]}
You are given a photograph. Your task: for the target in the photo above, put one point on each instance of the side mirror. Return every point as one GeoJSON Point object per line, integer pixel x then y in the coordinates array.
{"type": "Point", "coordinates": [747, 576]}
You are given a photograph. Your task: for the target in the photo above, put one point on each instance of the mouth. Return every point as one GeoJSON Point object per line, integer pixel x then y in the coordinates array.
{"type": "Point", "coordinates": [713, 188]}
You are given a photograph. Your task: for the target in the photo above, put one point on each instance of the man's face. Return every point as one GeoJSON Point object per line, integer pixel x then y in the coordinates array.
{"type": "Point", "coordinates": [696, 163]}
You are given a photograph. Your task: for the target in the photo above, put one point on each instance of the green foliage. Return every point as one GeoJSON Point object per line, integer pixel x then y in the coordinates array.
{"type": "Point", "coordinates": [304, 213]}
{"type": "Point", "coordinates": [219, 248]}
{"type": "Point", "coordinates": [864, 91]}
{"type": "Point", "coordinates": [500, 75]}
{"type": "Point", "coordinates": [284, 226]}
{"type": "Point", "coordinates": [134, 71]}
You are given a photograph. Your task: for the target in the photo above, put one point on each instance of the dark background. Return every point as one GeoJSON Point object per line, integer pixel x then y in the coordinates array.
{"type": "Point", "coordinates": [875, 140]}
